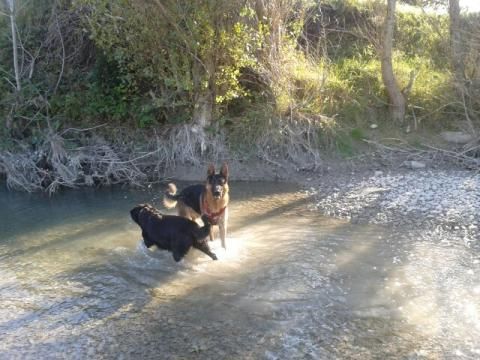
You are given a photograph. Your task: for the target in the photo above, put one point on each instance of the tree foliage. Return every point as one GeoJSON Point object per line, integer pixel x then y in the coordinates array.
{"type": "Point", "coordinates": [170, 51]}
{"type": "Point", "coordinates": [238, 64]}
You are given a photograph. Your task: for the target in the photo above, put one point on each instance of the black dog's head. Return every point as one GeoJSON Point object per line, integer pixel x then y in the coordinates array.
{"type": "Point", "coordinates": [135, 212]}
{"type": "Point", "coordinates": [217, 184]}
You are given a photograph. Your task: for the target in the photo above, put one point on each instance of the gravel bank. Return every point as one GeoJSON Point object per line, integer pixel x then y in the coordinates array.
{"type": "Point", "coordinates": [435, 200]}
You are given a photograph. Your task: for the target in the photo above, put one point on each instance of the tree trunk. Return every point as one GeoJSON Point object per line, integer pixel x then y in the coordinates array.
{"type": "Point", "coordinates": [11, 6]}
{"type": "Point", "coordinates": [204, 99]}
{"type": "Point", "coordinates": [272, 13]}
{"type": "Point", "coordinates": [203, 71]}
{"type": "Point", "coordinates": [455, 42]}
{"type": "Point", "coordinates": [397, 99]}
{"type": "Point", "coordinates": [18, 86]}
{"type": "Point", "coordinates": [457, 61]}
{"type": "Point", "coordinates": [203, 108]}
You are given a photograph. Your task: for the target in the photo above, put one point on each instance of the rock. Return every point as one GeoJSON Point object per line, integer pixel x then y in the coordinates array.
{"type": "Point", "coordinates": [373, 126]}
{"type": "Point", "coordinates": [456, 137]}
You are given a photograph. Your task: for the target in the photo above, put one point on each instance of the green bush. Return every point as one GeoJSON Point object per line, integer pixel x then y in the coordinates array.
{"type": "Point", "coordinates": [174, 51]}
{"type": "Point", "coordinates": [423, 35]}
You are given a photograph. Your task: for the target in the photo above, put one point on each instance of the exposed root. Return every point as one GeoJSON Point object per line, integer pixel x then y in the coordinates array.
{"type": "Point", "coordinates": [296, 141]}
{"type": "Point", "coordinates": [426, 153]}
{"type": "Point", "coordinates": [54, 165]}
{"type": "Point", "coordinates": [185, 143]}
{"type": "Point", "coordinates": [80, 160]}
{"type": "Point", "coordinates": [22, 172]}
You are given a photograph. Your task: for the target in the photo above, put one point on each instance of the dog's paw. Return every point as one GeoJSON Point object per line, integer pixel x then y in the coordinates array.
{"type": "Point", "coordinates": [177, 257]}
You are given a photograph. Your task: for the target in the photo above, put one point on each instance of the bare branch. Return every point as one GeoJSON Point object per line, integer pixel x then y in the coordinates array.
{"type": "Point", "coordinates": [11, 5]}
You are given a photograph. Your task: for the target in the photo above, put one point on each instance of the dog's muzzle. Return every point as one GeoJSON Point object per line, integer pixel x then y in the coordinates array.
{"type": "Point", "coordinates": [217, 192]}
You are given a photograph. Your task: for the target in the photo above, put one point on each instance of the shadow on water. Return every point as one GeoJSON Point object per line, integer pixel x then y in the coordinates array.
{"type": "Point", "coordinates": [291, 285]}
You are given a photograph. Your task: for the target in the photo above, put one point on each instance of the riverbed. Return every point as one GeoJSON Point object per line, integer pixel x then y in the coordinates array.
{"type": "Point", "coordinates": [77, 282]}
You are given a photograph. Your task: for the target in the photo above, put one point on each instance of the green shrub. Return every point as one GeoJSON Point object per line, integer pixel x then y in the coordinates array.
{"type": "Point", "coordinates": [423, 35]}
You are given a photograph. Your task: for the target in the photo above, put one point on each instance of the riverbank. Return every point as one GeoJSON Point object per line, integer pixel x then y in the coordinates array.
{"type": "Point", "coordinates": [442, 204]}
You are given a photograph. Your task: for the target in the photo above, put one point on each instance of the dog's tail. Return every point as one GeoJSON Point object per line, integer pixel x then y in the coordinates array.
{"type": "Point", "coordinates": [170, 196]}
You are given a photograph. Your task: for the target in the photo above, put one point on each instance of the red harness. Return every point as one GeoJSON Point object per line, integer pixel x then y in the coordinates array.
{"type": "Point", "coordinates": [213, 217]}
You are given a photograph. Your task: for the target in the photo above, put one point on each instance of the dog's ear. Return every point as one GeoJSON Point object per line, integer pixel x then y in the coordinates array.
{"type": "Point", "coordinates": [224, 170]}
{"type": "Point", "coordinates": [211, 170]}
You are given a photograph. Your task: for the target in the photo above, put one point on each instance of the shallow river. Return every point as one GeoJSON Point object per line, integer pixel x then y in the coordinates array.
{"type": "Point", "coordinates": [76, 282]}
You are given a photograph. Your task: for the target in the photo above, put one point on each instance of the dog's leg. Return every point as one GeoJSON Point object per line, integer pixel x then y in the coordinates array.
{"type": "Point", "coordinates": [146, 240]}
{"type": "Point", "coordinates": [210, 234]}
{"type": "Point", "coordinates": [223, 228]}
{"type": "Point", "coordinates": [180, 247]}
{"type": "Point", "coordinates": [177, 257]}
{"type": "Point", "coordinates": [203, 247]}
{"type": "Point", "coordinates": [223, 231]}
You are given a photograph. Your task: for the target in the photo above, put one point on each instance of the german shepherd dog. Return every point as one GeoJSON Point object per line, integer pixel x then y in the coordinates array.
{"type": "Point", "coordinates": [209, 199]}
{"type": "Point", "coordinates": [169, 232]}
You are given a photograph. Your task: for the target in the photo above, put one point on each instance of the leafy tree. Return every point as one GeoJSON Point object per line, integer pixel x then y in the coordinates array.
{"type": "Point", "coordinates": [186, 55]}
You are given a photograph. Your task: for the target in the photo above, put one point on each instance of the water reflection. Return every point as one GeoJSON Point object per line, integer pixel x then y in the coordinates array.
{"type": "Point", "coordinates": [74, 275]}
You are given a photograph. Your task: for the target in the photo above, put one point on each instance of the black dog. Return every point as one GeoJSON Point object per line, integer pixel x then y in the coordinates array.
{"type": "Point", "coordinates": [173, 233]}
